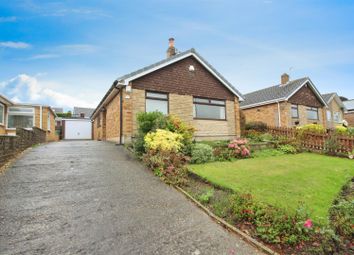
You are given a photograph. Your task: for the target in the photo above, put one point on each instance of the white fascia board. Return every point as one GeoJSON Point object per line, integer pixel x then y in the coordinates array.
{"type": "Point", "coordinates": [314, 89]}
{"type": "Point", "coordinates": [263, 103]}
{"type": "Point", "coordinates": [126, 81]}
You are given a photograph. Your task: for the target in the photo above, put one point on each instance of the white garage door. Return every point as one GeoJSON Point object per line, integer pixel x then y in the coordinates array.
{"type": "Point", "coordinates": [78, 129]}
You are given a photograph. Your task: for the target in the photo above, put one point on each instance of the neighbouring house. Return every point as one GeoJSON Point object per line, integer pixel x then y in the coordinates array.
{"type": "Point", "coordinates": [288, 104]}
{"type": "Point", "coordinates": [81, 112]}
{"type": "Point", "coordinates": [334, 111]}
{"type": "Point", "coordinates": [26, 116]}
{"type": "Point", "coordinates": [349, 112]}
{"type": "Point", "coordinates": [183, 84]}
{"type": "Point", "coordinates": [4, 105]}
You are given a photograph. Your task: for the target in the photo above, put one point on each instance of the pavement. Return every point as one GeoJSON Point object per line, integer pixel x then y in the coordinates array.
{"type": "Point", "coordinates": [90, 197]}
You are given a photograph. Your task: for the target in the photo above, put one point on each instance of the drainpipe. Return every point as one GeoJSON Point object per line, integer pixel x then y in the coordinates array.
{"type": "Point", "coordinates": [40, 117]}
{"type": "Point", "coordinates": [121, 116]}
{"type": "Point", "coordinates": [279, 115]}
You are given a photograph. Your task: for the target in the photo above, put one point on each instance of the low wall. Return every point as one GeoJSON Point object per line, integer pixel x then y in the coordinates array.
{"type": "Point", "coordinates": [11, 145]}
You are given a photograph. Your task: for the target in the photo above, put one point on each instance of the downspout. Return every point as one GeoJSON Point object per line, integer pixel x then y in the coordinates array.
{"type": "Point", "coordinates": [121, 142]}
{"type": "Point", "coordinates": [279, 115]}
{"type": "Point", "coordinates": [40, 117]}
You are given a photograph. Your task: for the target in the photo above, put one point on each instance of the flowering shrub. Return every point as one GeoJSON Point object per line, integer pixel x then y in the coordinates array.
{"type": "Point", "coordinates": [176, 125]}
{"type": "Point", "coordinates": [168, 165]}
{"type": "Point", "coordinates": [163, 140]}
{"type": "Point", "coordinates": [222, 153]}
{"type": "Point", "coordinates": [240, 148]}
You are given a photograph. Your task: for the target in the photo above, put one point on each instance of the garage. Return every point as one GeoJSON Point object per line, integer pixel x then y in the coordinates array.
{"type": "Point", "coordinates": [77, 129]}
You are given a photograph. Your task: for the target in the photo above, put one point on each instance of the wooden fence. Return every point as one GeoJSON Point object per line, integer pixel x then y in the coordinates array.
{"type": "Point", "coordinates": [328, 141]}
{"type": "Point", "coordinates": [11, 145]}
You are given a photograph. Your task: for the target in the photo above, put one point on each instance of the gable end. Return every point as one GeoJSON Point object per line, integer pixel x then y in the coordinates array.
{"type": "Point", "coordinates": [306, 96]}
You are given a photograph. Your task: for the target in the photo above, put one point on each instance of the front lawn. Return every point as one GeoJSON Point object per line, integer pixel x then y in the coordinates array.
{"type": "Point", "coordinates": [285, 180]}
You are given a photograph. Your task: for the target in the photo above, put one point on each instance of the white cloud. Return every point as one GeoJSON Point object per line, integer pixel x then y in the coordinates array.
{"type": "Point", "coordinates": [43, 56]}
{"type": "Point", "coordinates": [7, 19]}
{"type": "Point", "coordinates": [30, 89]}
{"type": "Point", "coordinates": [14, 45]}
{"type": "Point", "coordinates": [75, 49]}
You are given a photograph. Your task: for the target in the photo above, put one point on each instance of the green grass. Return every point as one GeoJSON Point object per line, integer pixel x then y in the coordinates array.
{"type": "Point", "coordinates": [284, 180]}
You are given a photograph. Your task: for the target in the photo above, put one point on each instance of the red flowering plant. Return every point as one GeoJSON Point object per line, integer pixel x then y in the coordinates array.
{"type": "Point", "coordinates": [240, 148]}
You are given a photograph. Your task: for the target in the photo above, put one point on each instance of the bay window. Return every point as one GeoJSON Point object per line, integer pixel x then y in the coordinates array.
{"type": "Point", "coordinates": [213, 109]}
{"type": "Point", "coordinates": [312, 113]}
{"type": "Point", "coordinates": [20, 117]}
{"type": "Point", "coordinates": [156, 102]}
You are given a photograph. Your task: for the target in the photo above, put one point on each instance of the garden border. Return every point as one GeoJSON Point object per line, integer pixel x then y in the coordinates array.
{"type": "Point", "coordinates": [226, 225]}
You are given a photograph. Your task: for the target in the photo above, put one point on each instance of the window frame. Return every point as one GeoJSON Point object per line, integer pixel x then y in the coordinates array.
{"type": "Point", "coordinates": [25, 114]}
{"type": "Point", "coordinates": [297, 111]}
{"type": "Point", "coordinates": [210, 99]}
{"type": "Point", "coordinates": [340, 118]}
{"type": "Point", "coordinates": [2, 122]}
{"type": "Point", "coordinates": [167, 99]}
{"type": "Point", "coordinates": [313, 110]}
{"type": "Point", "coordinates": [329, 114]}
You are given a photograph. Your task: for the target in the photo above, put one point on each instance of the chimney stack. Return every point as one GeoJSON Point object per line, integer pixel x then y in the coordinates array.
{"type": "Point", "coordinates": [171, 51]}
{"type": "Point", "coordinates": [284, 79]}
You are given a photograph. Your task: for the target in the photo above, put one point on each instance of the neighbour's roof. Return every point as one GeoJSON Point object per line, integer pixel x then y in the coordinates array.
{"type": "Point", "coordinates": [349, 105]}
{"type": "Point", "coordinates": [330, 96]}
{"type": "Point", "coordinates": [86, 111]}
{"type": "Point", "coordinates": [277, 93]}
{"type": "Point", "coordinates": [58, 109]}
{"type": "Point", "coordinates": [125, 79]}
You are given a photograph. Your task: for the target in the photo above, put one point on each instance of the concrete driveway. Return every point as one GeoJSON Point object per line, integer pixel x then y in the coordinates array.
{"type": "Point", "coordinates": [87, 197]}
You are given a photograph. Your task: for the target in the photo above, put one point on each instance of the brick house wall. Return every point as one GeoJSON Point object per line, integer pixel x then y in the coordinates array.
{"type": "Point", "coordinates": [3, 126]}
{"type": "Point", "coordinates": [181, 85]}
{"type": "Point", "coordinates": [334, 107]}
{"type": "Point", "coordinates": [350, 118]}
{"type": "Point", "coordinates": [268, 114]}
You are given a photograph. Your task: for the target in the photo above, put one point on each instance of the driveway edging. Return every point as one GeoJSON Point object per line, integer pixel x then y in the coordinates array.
{"type": "Point", "coordinates": [228, 226]}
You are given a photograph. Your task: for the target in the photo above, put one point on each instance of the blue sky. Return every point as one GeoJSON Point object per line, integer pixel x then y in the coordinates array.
{"type": "Point", "coordinates": [66, 53]}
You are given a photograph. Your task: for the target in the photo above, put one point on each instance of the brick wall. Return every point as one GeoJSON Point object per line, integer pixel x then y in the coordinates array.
{"type": "Point", "coordinates": [11, 145]}
{"type": "Point", "coordinates": [350, 118]}
{"type": "Point", "coordinates": [177, 79]}
{"type": "Point", "coordinates": [305, 96]}
{"type": "Point", "coordinates": [334, 107]}
{"type": "Point", "coordinates": [182, 106]}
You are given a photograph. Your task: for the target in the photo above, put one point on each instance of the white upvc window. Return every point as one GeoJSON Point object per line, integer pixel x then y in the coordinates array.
{"type": "Point", "coordinates": [337, 117]}
{"type": "Point", "coordinates": [48, 121]}
{"type": "Point", "coordinates": [20, 117]}
{"type": "Point", "coordinates": [329, 115]}
{"type": "Point", "coordinates": [2, 114]}
{"type": "Point", "coordinates": [156, 101]}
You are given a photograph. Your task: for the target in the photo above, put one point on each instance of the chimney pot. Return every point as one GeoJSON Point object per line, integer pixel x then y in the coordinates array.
{"type": "Point", "coordinates": [284, 79]}
{"type": "Point", "coordinates": [171, 51]}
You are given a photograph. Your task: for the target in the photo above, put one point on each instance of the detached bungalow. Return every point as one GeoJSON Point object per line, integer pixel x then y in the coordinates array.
{"type": "Point", "coordinates": [14, 116]}
{"type": "Point", "coordinates": [335, 110]}
{"type": "Point", "coordinates": [349, 112]}
{"type": "Point", "coordinates": [288, 104]}
{"type": "Point", "coordinates": [184, 84]}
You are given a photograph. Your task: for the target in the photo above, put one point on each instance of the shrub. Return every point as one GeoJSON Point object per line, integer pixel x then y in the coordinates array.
{"type": "Point", "coordinates": [350, 131]}
{"type": "Point", "coordinates": [272, 224]}
{"type": "Point", "coordinates": [254, 135]}
{"type": "Point", "coordinates": [340, 130]}
{"type": "Point", "coordinates": [147, 122]}
{"type": "Point", "coordinates": [256, 125]}
{"type": "Point", "coordinates": [176, 125]}
{"type": "Point", "coordinates": [170, 166]}
{"type": "Point", "coordinates": [332, 145]}
{"type": "Point", "coordinates": [266, 137]}
{"type": "Point", "coordinates": [287, 149]}
{"type": "Point", "coordinates": [240, 148]}
{"type": "Point", "coordinates": [201, 153]}
{"type": "Point", "coordinates": [163, 140]}
{"type": "Point", "coordinates": [222, 153]}
{"type": "Point", "coordinates": [311, 128]}
{"type": "Point", "coordinates": [206, 196]}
